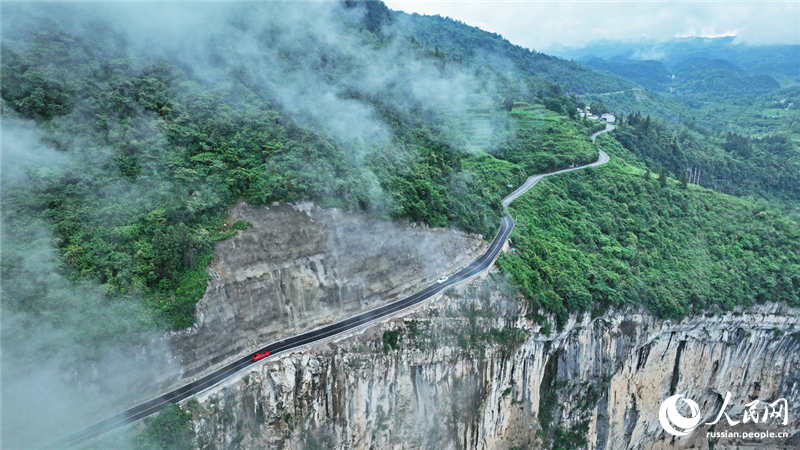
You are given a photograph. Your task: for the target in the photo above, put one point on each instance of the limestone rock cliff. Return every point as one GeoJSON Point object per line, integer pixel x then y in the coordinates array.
{"type": "Point", "coordinates": [301, 266]}
{"type": "Point", "coordinates": [467, 371]}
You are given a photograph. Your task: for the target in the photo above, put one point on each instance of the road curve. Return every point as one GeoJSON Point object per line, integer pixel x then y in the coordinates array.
{"type": "Point", "coordinates": [531, 181]}
{"type": "Point", "coordinates": [482, 263]}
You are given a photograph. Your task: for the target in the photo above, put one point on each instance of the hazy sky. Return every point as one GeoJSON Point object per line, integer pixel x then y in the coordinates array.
{"type": "Point", "coordinates": [545, 25]}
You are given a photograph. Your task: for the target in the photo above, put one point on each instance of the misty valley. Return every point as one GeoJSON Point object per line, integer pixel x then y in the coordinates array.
{"type": "Point", "coordinates": [358, 225]}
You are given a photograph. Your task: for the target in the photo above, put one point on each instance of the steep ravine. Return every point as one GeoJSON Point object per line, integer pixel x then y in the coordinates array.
{"type": "Point", "coordinates": [464, 370]}
{"type": "Point", "coordinates": [456, 373]}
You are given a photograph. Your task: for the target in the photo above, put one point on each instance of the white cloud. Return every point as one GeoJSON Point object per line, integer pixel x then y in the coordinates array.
{"type": "Point", "coordinates": [544, 25]}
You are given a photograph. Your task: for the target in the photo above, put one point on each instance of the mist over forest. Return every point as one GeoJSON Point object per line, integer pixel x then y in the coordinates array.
{"type": "Point", "coordinates": [132, 128]}
{"type": "Point", "coordinates": [129, 130]}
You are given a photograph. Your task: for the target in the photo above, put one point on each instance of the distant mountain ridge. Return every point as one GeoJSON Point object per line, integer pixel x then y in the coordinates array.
{"type": "Point", "coordinates": [698, 67]}
{"type": "Point", "coordinates": [468, 44]}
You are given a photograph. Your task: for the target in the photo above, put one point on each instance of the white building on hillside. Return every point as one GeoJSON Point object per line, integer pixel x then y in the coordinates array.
{"type": "Point", "coordinates": [587, 112]}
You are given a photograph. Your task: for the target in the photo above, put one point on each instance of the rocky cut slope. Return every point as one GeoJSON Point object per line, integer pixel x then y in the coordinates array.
{"type": "Point", "coordinates": [299, 267]}
{"type": "Point", "coordinates": [457, 373]}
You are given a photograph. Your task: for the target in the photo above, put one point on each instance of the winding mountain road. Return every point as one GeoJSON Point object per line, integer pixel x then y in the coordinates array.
{"type": "Point", "coordinates": [477, 266]}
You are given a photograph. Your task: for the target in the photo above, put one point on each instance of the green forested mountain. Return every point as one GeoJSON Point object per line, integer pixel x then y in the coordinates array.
{"type": "Point", "coordinates": [150, 134]}
{"type": "Point", "coordinates": [711, 78]}
{"type": "Point", "coordinates": [647, 73]}
{"type": "Point", "coordinates": [466, 44]}
{"type": "Point", "coordinates": [779, 62]}
{"type": "Point", "coordinates": [766, 167]}
{"type": "Point", "coordinates": [748, 150]}
{"type": "Point", "coordinates": [618, 235]}
{"type": "Point", "coordinates": [720, 107]}
{"type": "Point", "coordinates": [156, 152]}
{"type": "Point", "coordinates": [692, 79]}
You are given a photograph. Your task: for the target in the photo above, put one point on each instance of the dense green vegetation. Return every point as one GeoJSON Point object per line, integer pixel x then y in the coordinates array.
{"type": "Point", "coordinates": [185, 152]}
{"type": "Point", "coordinates": [747, 150]}
{"type": "Point", "coordinates": [168, 429]}
{"type": "Point", "coordinates": [464, 44]}
{"type": "Point", "coordinates": [775, 113]}
{"type": "Point", "coordinates": [648, 73]}
{"type": "Point", "coordinates": [545, 139]}
{"type": "Point", "coordinates": [171, 428]}
{"type": "Point", "coordinates": [726, 109]}
{"type": "Point", "coordinates": [138, 156]}
{"type": "Point", "coordinates": [766, 167]}
{"type": "Point", "coordinates": [696, 78]}
{"type": "Point", "coordinates": [703, 67]}
{"type": "Point", "coordinates": [754, 113]}
{"type": "Point", "coordinates": [156, 156]}
{"type": "Point", "coordinates": [610, 237]}
{"type": "Point", "coordinates": [714, 78]}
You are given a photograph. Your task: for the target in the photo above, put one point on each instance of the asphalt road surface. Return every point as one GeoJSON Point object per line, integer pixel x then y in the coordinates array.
{"type": "Point", "coordinates": [479, 265]}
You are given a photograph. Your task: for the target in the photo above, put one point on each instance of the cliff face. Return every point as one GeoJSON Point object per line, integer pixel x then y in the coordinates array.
{"type": "Point", "coordinates": [463, 370]}
{"type": "Point", "coordinates": [459, 372]}
{"type": "Point", "coordinates": [301, 266]}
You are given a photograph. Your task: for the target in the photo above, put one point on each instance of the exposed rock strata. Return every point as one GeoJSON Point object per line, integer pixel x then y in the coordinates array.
{"type": "Point", "coordinates": [464, 370]}
{"type": "Point", "coordinates": [447, 383]}
{"type": "Point", "coordinates": [301, 266]}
